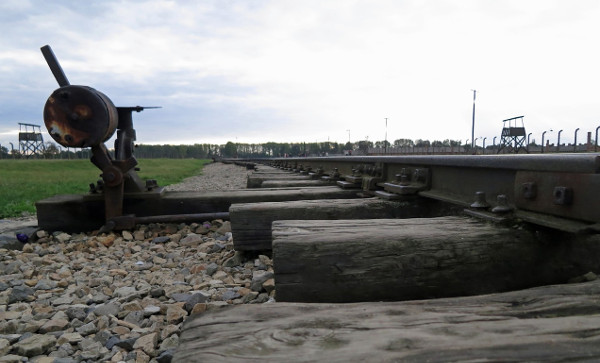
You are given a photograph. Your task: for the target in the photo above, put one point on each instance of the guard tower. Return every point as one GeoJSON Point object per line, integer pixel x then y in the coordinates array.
{"type": "Point", "coordinates": [31, 142]}
{"type": "Point", "coordinates": [513, 135]}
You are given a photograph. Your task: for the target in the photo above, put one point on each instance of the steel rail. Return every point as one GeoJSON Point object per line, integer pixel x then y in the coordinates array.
{"type": "Point", "coordinates": [557, 191]}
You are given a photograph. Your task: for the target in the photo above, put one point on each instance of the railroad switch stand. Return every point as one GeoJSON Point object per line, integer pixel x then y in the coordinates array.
{"type": "Point", "coordinates": [80, 116]}
{"type": "Point", "coordinates": [513, 136]}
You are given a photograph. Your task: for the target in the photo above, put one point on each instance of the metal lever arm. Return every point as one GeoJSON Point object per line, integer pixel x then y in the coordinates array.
{"type": "Point", "coordinates": [55, 67]}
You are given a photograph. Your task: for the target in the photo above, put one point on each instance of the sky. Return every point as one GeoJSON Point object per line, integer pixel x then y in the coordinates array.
{"type": "Point", "coordinates": [253, 71]}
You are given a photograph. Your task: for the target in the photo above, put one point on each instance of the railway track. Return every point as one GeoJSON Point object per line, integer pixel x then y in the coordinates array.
{"type": "Point", "coordinates": [557, 191]}
{"type": "Point", "coordinates": [418, 227]}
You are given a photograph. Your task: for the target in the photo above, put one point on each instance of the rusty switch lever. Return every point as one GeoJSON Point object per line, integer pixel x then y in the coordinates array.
{"type": "Point", "coordinates": [55, 67]}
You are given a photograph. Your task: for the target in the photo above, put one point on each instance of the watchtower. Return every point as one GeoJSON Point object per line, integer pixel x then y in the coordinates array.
{"type": "Point", "coordinates": [31, 142]}
{"type": "Point", "coordinates": [513, 135]}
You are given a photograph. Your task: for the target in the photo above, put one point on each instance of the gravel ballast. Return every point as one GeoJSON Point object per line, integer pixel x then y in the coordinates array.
{"type": "Point", "coordinates": [123, 296]}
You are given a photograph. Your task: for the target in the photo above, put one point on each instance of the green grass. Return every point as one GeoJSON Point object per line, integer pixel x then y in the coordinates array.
{"type": "Point", "coordinates": [23, 182]}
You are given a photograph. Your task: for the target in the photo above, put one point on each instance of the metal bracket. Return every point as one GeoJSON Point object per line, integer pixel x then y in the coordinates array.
{"type": "Point", "coordinates": [568, 195]}
{"type": "Point", "coordinates": [410, 181]}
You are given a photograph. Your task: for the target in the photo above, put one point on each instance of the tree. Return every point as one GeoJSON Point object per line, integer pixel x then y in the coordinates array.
{"type": "Point", "coordinates": [403, 142]}
{"type": "Point", "coordinates": [229, 150]}
{"type": "Point", "coordinates": [422, 143]}
{"type": "Point", "coordinates": [364, 145]}
{"type": "Point", "coordinates": [50, 149]}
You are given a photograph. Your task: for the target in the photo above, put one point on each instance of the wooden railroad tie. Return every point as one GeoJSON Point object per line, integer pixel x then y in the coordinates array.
{"type": "Point", "coordinates": [251, 222]}
{"type": "Point", "coordinates": [550, 323]}
{"type": "Point", "coordinates": [418, 258]}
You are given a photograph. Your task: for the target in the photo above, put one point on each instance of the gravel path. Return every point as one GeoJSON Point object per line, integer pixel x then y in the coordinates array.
{"type": "Point", "coordinates": [123, 296]}
{"type": "Point", "coordinates": [215, 176]}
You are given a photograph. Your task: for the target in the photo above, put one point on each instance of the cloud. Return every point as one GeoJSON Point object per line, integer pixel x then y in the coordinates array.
{"type": "Point", "coordinates": [295, 71]}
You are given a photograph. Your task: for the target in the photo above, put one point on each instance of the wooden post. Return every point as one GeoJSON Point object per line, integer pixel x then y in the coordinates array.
{"type": "Point", "coordinates": [374, 260]}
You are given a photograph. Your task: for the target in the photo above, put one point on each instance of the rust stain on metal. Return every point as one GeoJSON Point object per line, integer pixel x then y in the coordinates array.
{"type": "Point", "coordinates": [79, 116]}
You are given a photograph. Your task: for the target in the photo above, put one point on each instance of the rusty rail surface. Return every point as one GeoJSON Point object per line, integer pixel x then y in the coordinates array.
{"type": "Point", "coordinates": [556, 191]}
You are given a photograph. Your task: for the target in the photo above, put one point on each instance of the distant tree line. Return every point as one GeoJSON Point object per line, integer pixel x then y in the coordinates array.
{"type": "Point", "coordinates": [232, 150]}
{"type": "Point", "coordinates": [258, 150]}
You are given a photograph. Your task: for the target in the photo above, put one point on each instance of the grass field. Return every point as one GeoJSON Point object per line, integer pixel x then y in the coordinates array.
{"type": "Point", "coordinates": [23, 182]}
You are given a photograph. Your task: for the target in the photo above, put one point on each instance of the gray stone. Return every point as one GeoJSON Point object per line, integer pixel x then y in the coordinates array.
{"type": "Point", "coordinates": [99, 298]}
{"type": "Point", "coordinates": [131, 357]}
{"type": "Point", "coordinates": [9, 327]}
{"type": "Point", "coordinates": [181, 297]}
{"type": "Point", "coordinates": [229, 295]}
{"type": "Point", "coordinates": [110, 343]}
{"type": "Point", "coordinates": [166, 356]}
{"type": "Point", "coordinates": [36, 344]}
{"type": "Point", "coordinates": [191, 240]}
{"type": "Point", "coordinates": [78, 311]}
{"type": "Point", "coordinates": [12, 358]}
{"type": "Point", "coordinates": [142, 266]}
{"type": "Point", "coordinates": [196, 298]}
{"type": "Point", "coordinates": [261, 298]}
{"type": "Point", "coordinates": [157, 292]}
{"type": "Point", "coordinates": [4, 346]}
{"type": "Point", "coordinates": [175, 314]}
{"type": "Point", "coordinates": [147, 343]}
{"type": "Point", "coordinates": [10, 243]}
{"type": "Point", "coordinates": [259, 264]}
{"type": "Point", "coordinates": [103, 336]}
{"type": "Point", "coordinates": [249, 297]}
{"type": "Point", "coordinates": [76, 323]}
{"type": "Point", "coordinates": [111, 308]}
{"type": "Point", "coordinates": [236, 260]}
{"type": "Point", "coordinates": [151, 310]}
{"type": "Point", "coordinates": [258, 278]}
{"type": "Point", "coordinates": [211, 268]}
{"type": "Point", "coordinates": [125, 292]}
{"type": "Point", "coordinates": [24, 336]}
{"type": "Point", "coordinates": [4, 286]}
{"type": "Point", "coordinates": [10, 268]}
{"type": "Point", "coordinates": [54, 325]}
{"type": "Point", "coordinates": [127, 236]}
{"type": "Point", "coordinates": [170, 343]}
{"type": "Point", "coordinates": [126, 344]}
{"type": "Point", "coordinates": [63, 300]}
{"type": "Point", "coordinates": [217, 247]}
{"type": "Point", "coordinates": [21, 293]}
{"type": "Point", "coordinates": [62, 237]}
{"type": "Point", "coordinates": [45, 284]}
{"type": "Point", "coordinates": [225, 228]}
{"type": "Point", "coordinates": [90, 349]}
{"type": "Point", "coordinates": [87, 329]}
{"type": "Point", "coordinates": [135, 317]}
{"type": "Point", "coordinates": [65, 359]}
{"type": "Point", "coordinates": [12, 338]}
{"type": "Point", "coordinates": [70, 338]}
{"type": "Point", "coordinates": [162, 239]}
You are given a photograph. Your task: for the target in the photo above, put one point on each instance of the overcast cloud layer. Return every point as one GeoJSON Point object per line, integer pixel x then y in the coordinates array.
{"type": "Point", "coordinates": [283, 70]}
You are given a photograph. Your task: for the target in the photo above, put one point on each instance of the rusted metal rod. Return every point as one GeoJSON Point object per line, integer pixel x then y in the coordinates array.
{"type": "Point", "coordinates": [181, 218]}
{"type": "Point", "coordinates": [55, 67]}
